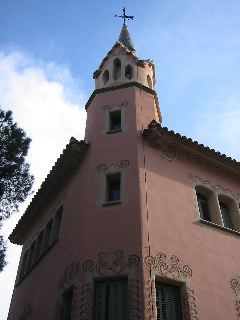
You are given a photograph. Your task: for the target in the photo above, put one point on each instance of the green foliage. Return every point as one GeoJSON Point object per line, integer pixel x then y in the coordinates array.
{"type": "Point", "coordinates": [15, 180]}
{"type": "Point", "coordinates": [2, 253]}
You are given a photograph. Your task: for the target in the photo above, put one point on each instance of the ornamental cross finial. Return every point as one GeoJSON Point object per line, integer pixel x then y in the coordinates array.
{"type": "Point", "coordinates": [124, 16]}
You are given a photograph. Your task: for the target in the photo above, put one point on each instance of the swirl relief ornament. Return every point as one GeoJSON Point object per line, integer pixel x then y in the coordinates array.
{"type": "Point", "coordinates": [108, 107]}
{"type": "Point", "coordinates": [103, 167]}
{"type": "Point", "coordinates": [134, 299]}
{"type": "Point", "coordinates": [105, 264]}
{"type": "Point", "coordinates": [189, 305]}
{"type": "Point", "coordinates": [86, 298]}
{"type": "Point", "coordinates": [169, 269]}
{"type": "Point", "coordinates": [235, 285]}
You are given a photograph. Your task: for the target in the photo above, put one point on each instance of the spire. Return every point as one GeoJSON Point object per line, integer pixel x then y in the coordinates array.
{"type": "Point", "coordinates": [125, 38]}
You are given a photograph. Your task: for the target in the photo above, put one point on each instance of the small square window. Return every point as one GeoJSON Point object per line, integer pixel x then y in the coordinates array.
{"type": "Point", "coordinates": [115, 123]}
{"type": "Point", "coordinates": [113, 187]}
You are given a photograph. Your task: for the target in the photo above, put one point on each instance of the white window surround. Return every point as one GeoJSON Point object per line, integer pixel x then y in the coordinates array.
{"type": "Point", "coordinates": [214, 197]}
{"type": "Point", "coordinates": [107, 111]}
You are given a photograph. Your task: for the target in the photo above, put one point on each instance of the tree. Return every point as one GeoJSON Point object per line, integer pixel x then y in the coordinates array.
{"type": "Point", "coordinates": [15, 179]}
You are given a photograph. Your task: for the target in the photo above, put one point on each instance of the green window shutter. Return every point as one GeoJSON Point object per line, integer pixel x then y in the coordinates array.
{"type": "Point", "coordinates": [119, 300]}
{"type": "Point", "coordinates": [226, 216]}
{"type": "Point", "coordinates": [168, 302]}
{"type": "Point", "coordinates": [100, 301]}
{"type": "Point", "coordinates": [111, 300]}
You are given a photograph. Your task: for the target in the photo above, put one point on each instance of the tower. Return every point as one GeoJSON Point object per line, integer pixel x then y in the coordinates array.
{"type": "Point", "coordinates": [134, 222]}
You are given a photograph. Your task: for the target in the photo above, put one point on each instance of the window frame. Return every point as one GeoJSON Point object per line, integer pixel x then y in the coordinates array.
{"type": "Point", "coordinates": [111, 114]}
{"type": "Point", "coordinates": [108, 178]}
{"type": "Point", "coordinates": [40, 250]}
{"type": "Point", "coordinates": [168, 283]}
{"type": "Point", "coordinates": [214, 199]}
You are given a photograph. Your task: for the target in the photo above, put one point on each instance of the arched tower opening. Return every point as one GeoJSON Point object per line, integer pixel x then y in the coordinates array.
{"type": "Point", "coordinates": [117, 69]}
{"type": "Point", "coordinates": [129, 72]}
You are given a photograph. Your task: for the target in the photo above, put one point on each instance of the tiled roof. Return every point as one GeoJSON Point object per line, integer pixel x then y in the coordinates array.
{"type": "Point", "coordinates": [155, 130]}
{"type": "Point", "coordinates": [63, 168]}
{"type": "Point", "coordinates": [125, 38]}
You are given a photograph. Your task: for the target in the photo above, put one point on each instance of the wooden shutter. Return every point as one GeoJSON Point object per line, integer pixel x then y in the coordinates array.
{"type": "Point", "coordinates": [119, 300]}
{"type": "Point", "coordinates": [168, 302]}
{"type": "Point", "coordinates": [111, 300]}
{"type": "Point", "coordinates": [100, 300]}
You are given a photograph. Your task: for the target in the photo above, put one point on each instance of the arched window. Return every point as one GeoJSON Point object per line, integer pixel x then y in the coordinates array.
{"type": "Point", "coordinates": [129, 72]}
{"type": "Point", "coordinates": [149, 81]}
{"type": "Point", "coordinates": [226, 215]}
{"type": "Point", "coordinates": [105, 76]}
{"type": "Point", "coordinates": [116, 69]}
{"type": "Point", "coordinates": [203, 207]}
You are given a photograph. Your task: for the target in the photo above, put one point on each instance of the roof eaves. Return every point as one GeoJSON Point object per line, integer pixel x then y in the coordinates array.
{"type": "Point", "coordinates": [63, 168]}
{"type": "Point", "coordinates": [188, 142]}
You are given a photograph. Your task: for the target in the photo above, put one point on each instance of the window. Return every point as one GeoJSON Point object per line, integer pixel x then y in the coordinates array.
{"type": "Point", "coordinates": [46, 237]}
{"type": "Point", "coordinates": [226, 215]}
{"type": "Point", "coordinates": [168, 301]}
{"type": "Point", "coordinates": [116, 69]}
{"type": "Point", "coordinates": [149, 81]}
{"type": "Point", "coordinates": [57, 224]}
{"type": "Point", "coordinates": [67, 298]}
{"type": "Point", "coordinates": [111, 300]}
{"type": "Point", "coordinates": [113, 187]}
{"type": "Point", "coordinates": [203, 207]}
{"type": "Point", "coordinates": [38, 247]}
{"type": "Point", "coordinates": [105, 76]}
{"type": "Point", "coordinates": [23, 265]}
{"type": "Point", "coordinates": [129, 72]}
{"type": "Point", "coordinates": [30, 256]}
{"type": "Point", "coordinates": [217, 209]}
{"type": "Point", "coordinates": [115, 124]}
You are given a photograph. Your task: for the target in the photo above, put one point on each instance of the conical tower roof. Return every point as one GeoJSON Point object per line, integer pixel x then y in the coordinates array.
{"type": "Point", "coordinates": [125, 38]}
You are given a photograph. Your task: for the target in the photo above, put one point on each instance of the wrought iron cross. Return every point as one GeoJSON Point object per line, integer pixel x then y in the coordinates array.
{"type": "Point", "coordinates": [124, 16]}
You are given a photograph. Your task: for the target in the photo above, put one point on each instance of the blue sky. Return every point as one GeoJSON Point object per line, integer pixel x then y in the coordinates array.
{"type": "Point", "coordinates": [49, 50]}
{"type": "Point", "coordinates": [195, 45]}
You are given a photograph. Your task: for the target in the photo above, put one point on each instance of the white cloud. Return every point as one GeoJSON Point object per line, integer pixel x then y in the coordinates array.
{"type": "Point", "coordinates": [48, 105]}
{"type": "Point", "coordinates": [218, 124]}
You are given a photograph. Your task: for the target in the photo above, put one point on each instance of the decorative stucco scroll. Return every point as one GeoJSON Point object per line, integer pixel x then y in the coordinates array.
{"type": "Point", "coordinates": [65, 282]}
{"type": "Point", "coordinates": [169, 269]}
{"type": "Point", "coordinates": [108, 107]}
{"type": "Point", "coordinates": [68, 276]}
{"type": "Point", "coordinates": [134, 299]}
{"type": "Point", "coordinates": [167, 150]}
{"type": "Point", "coordinates": [196, 179]}
{"type": "Point", "coordinates": [103, 167]}
{"type": "Point", "coordinates": [189, 305]}
{"type": "Point", "coordinates": [235, 285]}
{"type": "Point", "coordinates": [150, 300]}
{"type": "Point", "coordinates": [103, 264]}
{"type": "Point", "coordinates": [86, 300]}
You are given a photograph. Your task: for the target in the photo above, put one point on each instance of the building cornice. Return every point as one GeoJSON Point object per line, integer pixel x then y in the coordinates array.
{"type": "Point", "coordinates": [64, 167]}
{"type": "Point", "coordinates": [123, 86]}
{"type": "Point", "coordinates": [189, 149]}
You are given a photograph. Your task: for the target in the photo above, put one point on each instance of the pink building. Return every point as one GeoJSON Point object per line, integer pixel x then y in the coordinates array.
{"type": "Point", "coordinates": [134, 222]}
